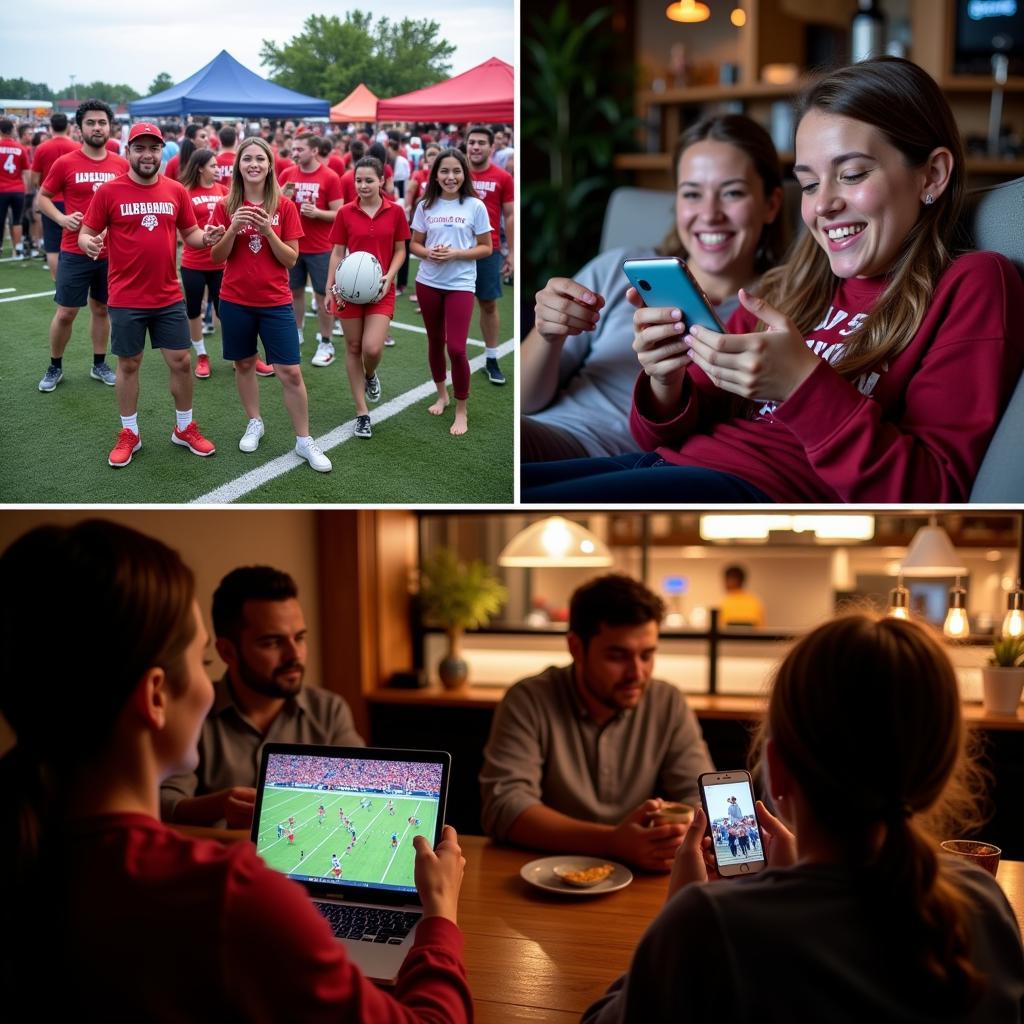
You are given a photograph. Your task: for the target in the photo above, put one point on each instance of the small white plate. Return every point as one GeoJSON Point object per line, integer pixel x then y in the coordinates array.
{"type": "Point", "coordinates": [541, 874]}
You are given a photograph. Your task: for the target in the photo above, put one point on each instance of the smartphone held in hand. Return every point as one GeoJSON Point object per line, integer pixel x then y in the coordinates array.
{"type": "Point", "coordinates": [736, 836]}
{"type": "Point", "coordinates": [667, 282]}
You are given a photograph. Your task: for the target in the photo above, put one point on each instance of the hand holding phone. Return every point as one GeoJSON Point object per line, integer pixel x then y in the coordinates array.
{"type": "Point", "coordinates": [666, 283]}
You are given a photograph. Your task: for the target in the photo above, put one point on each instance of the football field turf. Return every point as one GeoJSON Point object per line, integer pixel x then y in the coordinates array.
{"type": "Point", "coordinates": [372, 860]}
{"type": "Point", "coordinates": [57, 443]}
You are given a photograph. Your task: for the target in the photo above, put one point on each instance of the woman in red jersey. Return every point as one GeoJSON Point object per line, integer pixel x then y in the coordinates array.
{"type": "Point", "coordinates": [376, 225]}
{"type": "Point", "coordinates": [260, 243]}
{"type": "Point", "coordinates": [85, 862]}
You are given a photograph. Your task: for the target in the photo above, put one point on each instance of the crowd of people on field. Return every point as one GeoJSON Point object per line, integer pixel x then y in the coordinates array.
{"type": "Point", "coordinates": [345, 773]}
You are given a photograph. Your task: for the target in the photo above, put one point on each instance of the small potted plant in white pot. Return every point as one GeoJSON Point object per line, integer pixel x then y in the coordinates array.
{"type": "Point", "coordinates": [458, 596]}
{"type": "Point", "coordinates": [1003, 677]}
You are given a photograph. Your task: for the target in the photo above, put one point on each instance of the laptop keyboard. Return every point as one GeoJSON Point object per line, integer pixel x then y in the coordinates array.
{"type": "Point", "coordinates": [368, 924]}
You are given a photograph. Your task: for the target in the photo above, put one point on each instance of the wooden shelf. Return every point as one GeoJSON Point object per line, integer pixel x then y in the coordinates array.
{"type": "Point", "coordinates": [719, 93]}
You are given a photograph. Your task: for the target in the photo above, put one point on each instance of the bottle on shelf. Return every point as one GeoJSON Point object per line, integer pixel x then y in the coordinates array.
{"type": "Point", "coordinates": [867, 31]}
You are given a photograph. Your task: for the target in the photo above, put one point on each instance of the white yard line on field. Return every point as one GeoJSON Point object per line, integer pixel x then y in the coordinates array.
{"type": "Point", "coordinates": [235, 489]}
{"type": "Point", "coordinates": [34, 295]}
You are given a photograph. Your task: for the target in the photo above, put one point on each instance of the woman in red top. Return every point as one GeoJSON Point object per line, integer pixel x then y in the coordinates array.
{"type": "Point", "coordinates": [260, 244]}
{"type": "Point", "coordinates": [85, 863]}
{"type": "Point", "coordinates": [873, 366]}
{"type": "Point", "coordinates": [376, 225]}
{"type": "Point", "coordinates": [198, 271]}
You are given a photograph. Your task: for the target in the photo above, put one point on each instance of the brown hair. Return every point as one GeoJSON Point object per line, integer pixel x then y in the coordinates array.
{"type": "Point", "coordinates": [749, 137]}
{"type": "Point", "coordinates": [189, 175]}
{"type": "Point", "coordinates": [864, 682]}
{"type": "Point", "coordinates": [907, 106]}
{"type": "Point", "coordinates": [63, 684]}
{"type": "Point", "coordinates": [432, 191]}
{"type": "Point", "coordinates": [271, 190]}
{"type": "Point", "coordinates": [612, 600]}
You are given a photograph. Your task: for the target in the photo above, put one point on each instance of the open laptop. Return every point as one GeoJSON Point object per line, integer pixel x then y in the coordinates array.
{"type": "Point", "coordinates": [340, 820]}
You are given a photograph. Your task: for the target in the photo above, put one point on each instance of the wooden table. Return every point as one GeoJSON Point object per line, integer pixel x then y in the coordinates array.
{"type": "Point", "coordinates": [536, 956]}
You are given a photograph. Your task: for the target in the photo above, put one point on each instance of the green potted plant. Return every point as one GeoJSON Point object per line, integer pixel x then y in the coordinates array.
{"type": "Point", "coordinates": [1003, 677]}
{"type": "Point", "coordinates": [458, 596]}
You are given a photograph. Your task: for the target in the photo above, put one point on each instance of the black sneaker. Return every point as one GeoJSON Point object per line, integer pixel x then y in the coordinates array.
{"type": "Point", "coordinates": [363, 427]}
{"type": "Point", "coordinates": [494, 374]}
{"type": "Point", "coordinates": [371, 388]}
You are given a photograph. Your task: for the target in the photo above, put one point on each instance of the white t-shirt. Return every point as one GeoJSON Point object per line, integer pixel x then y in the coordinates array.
{"type": "Point", "coordinates": [455, 223]}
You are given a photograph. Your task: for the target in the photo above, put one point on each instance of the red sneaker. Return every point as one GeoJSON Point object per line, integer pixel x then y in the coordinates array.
{"type": "Point", "coordinates": [128, 443]}
{"type": "Point", "coordinates": [191, 439]}
{"type": "Point", "coordinates": [203, 367]}
{"type": "Point", "coordinates": [264, 369]}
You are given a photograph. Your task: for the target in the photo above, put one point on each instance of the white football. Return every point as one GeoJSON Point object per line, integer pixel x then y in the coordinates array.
{"type": "Point", "coordinates": [358, 278]}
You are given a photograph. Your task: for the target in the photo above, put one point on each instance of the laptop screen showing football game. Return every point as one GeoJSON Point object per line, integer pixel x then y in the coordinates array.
{"type": "Point", "coordinates": [346, 820]}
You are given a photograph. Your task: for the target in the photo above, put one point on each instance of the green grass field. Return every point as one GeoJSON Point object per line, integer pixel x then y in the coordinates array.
{"type": "Point", "coordinates": [372, 860]}
{"type": "Point", "coordinates": [57, 442]}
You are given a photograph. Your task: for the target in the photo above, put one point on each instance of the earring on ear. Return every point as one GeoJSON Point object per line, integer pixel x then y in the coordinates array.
{"type": "Point", "coordinates": [929, 199]}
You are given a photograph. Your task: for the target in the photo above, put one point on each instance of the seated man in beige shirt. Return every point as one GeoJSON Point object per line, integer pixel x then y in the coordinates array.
{"type": "Point", "coordinates": [261, 636]}
{"type": "Point", "coordinates": [579, 756]}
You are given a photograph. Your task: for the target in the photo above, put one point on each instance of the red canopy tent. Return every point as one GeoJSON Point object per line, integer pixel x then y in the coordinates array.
{"type": "Point", "coordinates": [484, 93]}
{"type": "Point", "coordinates": [359, 105]}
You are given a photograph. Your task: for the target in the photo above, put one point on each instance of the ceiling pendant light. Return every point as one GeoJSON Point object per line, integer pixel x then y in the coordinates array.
{"type": "Point", "coordinates": [688, 11]}
{"type": "Point", "coordinates": [957, 626]}
{"type": "Point", "coordinates": [555, 542]}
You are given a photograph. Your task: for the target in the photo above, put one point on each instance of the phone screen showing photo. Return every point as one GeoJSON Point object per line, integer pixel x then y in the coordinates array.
{"type": "Point", "coordinates": [733, 825]}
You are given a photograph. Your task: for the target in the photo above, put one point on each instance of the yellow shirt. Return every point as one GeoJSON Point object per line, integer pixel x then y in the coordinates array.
{"type": "Point", "coordinates": [741, 609]}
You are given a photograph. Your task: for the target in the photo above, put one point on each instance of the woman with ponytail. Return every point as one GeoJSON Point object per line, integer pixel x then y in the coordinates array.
{"type": "Point", "coordinates": [859, 917]}
{"type": "Point", "coordinates": [141, 922]}
{"type": "Point", "coordinates": [873, 366]}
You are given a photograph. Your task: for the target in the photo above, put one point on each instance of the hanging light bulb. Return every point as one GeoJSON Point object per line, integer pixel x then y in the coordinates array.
{"type": "Point", "coordinates": [687, 11]}
{"type": "Point", "coordinates": [1013, 624]}
{"type": "Point", "coordinates": [957, 626]}
{"type": "Point", "coordinates": [899, 600]}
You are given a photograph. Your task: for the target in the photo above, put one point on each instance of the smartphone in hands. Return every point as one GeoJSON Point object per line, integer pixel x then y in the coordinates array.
{"type": "Point", "coordinates": [736, 837]}
{"type": "Point", "coordinates": [666, 281]}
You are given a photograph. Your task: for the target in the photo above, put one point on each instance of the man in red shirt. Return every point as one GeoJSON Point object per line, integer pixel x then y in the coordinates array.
{"type": "Point", "coordinates": [141, 213]}
{"type": "Point", "coordinates": [14, 166]}
{"type": "Point", "coordinates": [77, 176]}
{"type": "Point", "coordinates": [48, 152]}
{"type": "Point", "coordinates": [316, 190]}
{"type": "Point", "coordinates": [495, 189]}
{"type": "Point", "coordinates": [226, 154]}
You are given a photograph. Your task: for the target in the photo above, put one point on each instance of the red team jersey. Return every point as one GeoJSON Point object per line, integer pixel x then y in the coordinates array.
{"type": "Point", "coordinates": [320, 188]}
{"type": "Point", "coordinates": [225, 167]}
{"type": "Point", "coordinates": [204, 202]}
{"type": "Point", "coordinates": [13, 161]}
{"type": "Point", "coordinates": [252, 274]}
{"type": "Point", "coordinates": [78, 177]}
{"type": "Point", "coordinates": [171, 170]}
{"type": "Point", "coordinates": [142, 220]}
{"type": "Point", "coordinates": [337, 164]}
{"type": "Point", "coordinates": [47, 155]}
{"type": "Point", "coordinates": [114, 146]}
{"type": "Point", "coordinates": [358, 232]}
{"type": "Point", "coordinates": [494, 187]}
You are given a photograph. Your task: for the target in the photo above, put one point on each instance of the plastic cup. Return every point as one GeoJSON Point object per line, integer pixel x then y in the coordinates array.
{"type": "Point", "coordinates": [985, 855]}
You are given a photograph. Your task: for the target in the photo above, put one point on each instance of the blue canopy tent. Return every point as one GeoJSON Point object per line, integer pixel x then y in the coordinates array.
{"type": "Point", "coordinates": [226, 87]}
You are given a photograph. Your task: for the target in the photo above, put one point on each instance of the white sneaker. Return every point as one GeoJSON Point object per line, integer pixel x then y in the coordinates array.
{"type": "Point", "coordinates": [310, 451]}
{"type": "Point", "coordinates": [251, 438]}
{"type": "Point", "coordinates": [336, 329]}
{"type": "Point", "coordinates": [324, 354]}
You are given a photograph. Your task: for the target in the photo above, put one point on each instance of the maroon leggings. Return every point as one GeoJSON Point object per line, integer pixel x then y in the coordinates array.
{"type": "Point", "coordinates": [446, 316]}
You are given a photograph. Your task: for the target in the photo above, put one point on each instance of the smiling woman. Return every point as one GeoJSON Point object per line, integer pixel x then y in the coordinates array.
{"type": "Point", "coordinates": [873, 366]}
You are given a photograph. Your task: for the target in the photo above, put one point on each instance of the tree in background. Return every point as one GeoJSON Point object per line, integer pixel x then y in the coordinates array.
{"type": "Point", "coordinates": [161, 83]}
{"type": "Point", "coordinates": [109, 93]}
{"type": "Point", "coordinates": [331, 57]}
{"type": "Point", "coordinates": [20, 89]}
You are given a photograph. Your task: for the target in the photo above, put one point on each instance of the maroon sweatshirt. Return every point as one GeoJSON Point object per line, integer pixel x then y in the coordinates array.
{"type": "Point", "coordinates": [914, 429]}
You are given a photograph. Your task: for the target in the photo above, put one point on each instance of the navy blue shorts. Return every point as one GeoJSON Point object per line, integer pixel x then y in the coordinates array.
{"type": "Point", "coordinates": [166, 325]}
{"type": "Point", "coordinates": [488, 276]}
{"type": "Point", "coordinates": [274, 325]}
{"type": "Point", "coordinates": [313, 265]}
{"type": "Point", "coordinates": [79, 277]}
{"type": "Point", "coordinates": [52, 231]}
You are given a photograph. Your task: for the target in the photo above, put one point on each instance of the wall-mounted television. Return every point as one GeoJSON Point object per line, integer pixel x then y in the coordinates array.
{"type": "Point", "coordinates": [985, 27]}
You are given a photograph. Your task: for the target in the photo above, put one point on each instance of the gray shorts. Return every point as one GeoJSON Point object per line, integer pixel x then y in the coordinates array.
{"type": "Point", "coordinates": [312, 265]}
{"type": "Point", "coordinates": [167, 326]}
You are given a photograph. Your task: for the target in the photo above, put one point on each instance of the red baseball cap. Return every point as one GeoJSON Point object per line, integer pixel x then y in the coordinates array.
{"type": "Point", "coordinates": [144, 128]}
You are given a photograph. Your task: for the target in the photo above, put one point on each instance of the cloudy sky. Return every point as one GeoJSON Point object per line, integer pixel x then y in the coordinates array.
{"type": "Point", "coordinates": [133, 41]}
